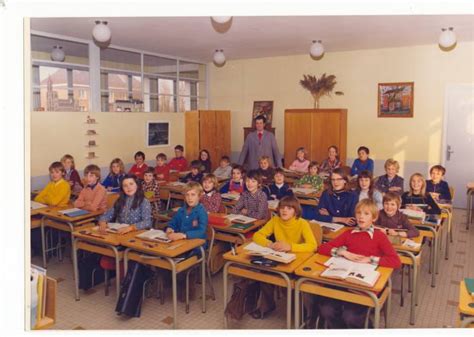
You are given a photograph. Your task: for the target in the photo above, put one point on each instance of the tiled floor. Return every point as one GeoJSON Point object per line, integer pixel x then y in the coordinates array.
{"type": "Point", "coordinates": [437, 306]}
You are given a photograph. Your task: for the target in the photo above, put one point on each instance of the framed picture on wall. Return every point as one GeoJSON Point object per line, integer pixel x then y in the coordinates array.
{"type": "Point", "coordinates": [157, 133]}
{"type": "Point", "coordinates": [395, 99]}
{"type": "Point", "coordinates": [264, 108]}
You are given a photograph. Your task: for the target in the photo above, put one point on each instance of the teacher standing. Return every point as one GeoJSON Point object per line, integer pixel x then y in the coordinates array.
{"type": "Point", "coordinates": [260, 143]}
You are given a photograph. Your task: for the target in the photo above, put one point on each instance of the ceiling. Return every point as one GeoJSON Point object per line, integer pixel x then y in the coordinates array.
{"type": "Point", "coordinates": [196, 38]}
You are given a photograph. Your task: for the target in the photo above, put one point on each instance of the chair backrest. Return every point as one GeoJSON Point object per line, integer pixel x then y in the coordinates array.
{"type": "Point", "coordinates": [317, 232]}
{"type": "Point", "coordinates": [111, 199]}
{"type": "Point", "coordinates": [210, 233]}
{"type": "Point", "coordinates": [451, 191]}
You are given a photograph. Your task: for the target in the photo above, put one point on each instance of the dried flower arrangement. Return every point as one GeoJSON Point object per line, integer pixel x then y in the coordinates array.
{"type": "Point", "coordinates": [319, 87]}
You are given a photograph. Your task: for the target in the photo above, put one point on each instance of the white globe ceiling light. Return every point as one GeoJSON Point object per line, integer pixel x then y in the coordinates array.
{"type": "Point", "coordinates": [317, 49]}
{"type": "Point", "coordinates": [101, 31]}
{"type": "Point", "coordinates": [221, 19]}
{"type": "Point", "coordinates": [219, 57]}
{"type": "Point", "coordinates": [447, 38]}
{"type": "Point", "coordinates": [57, 54]}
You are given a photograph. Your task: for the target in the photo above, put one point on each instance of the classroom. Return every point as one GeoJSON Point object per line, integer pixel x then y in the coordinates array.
{"type": "Point", "coordinates": [258, 171]}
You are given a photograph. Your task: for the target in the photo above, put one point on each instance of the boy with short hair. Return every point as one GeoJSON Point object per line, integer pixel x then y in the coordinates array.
{"type": "Point", "coordinates": [178, 163]}
{"type": "Point", "coordinates": [278, 189]}
{"type": "Point", "coordinates": [139, 167]}
{"type": "Point", "coordinates": [93, 196]}
{"type": "Point", "coordinates": [224, 171]}
{"type": "Point", "coordinates": [58, 191]}
{"type": "Point", "coordinates": [392, 219]}
{"type": "Point", "coordinates": [390, 181]}
{"type": "Point", "coordinates": [162, 170]}
{"type": "Point", "coordinates": [437, 187]}
{"type": "Point", "coordinates": [195, 174]}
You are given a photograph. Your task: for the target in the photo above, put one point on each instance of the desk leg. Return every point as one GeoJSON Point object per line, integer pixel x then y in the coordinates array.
{"type": "Point", "coordinates": [297, 301]}
{"type": "Point", "coordinates": [174, 291]}
{"type": "Point", "coordinates": [117, 271]}
{"type": "Point", "coordinates": [225, 275]}
{"type": "Point", "coordinates": [43, 243]}
{"type": "Point", "coordinates": [75, 268]}
{"type": "Point", "coordinates": [448, 231]}
{"type": "Point", "coordinates": [203, 279]}
{"type": "Point", "coordinates": [288, 300]}
{"type": "Point", "coordinates": [125, 261]}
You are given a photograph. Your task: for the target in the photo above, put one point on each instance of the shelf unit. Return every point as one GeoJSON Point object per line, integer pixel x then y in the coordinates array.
{"type": "Point", "coordinates": [50, 306]}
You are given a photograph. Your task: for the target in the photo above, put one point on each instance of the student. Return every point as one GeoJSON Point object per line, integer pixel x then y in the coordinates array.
{"type": "Point", "coordinates": [151, 190]}
{"type": "Point", "coordinates": [178, 163]}
{"type": "Point", "coordinates": [130, 208]}
{"type": "Point", "coordinates": [93, 196]}
{"type": "Point", "coordinates": [278, 189]}
{"type": "Point", "coordinates": [300, 164]}
{"type": "Point", "coordinates": [211, 199]}
{"type": "Point", "coordinates": [417, 195]}
{"type": "Point", "coordinates": [288, 232]}
{"type": "Point", "coordinates": [363, 163]}
{"type": "Point", "coordinates": [366, 190]}
{"type": "Point", "coordinates": [58, 191]}
{"type": "Point", "coordinates": [71, 175]}
{"type": "Point", "coordinates": [390, 181]}
{"type": "Point", "coordinates": [190, 222]}
{"type": "Point", "coordinates": [437, 187]}
{"type": "Point", "coordinates": [363, 244]}
{"type": "Point", "coordinates": [337, 203]}
{"type": "Point", "coordinates": [116, 174]}
{"type": "Point", "coordinates": [265, 170]}
{"type": "Point", "coordinates": [139, 167]}
{"type": "Point", "coordinates": [312, 179]}
{"type": "Point", "coordinates": [332, 162]}
{"type": "Point", "coordinates": [237, 184]}
{"type": "Point", "coordinates": [205, 160]}
{"type": "Point", "coordinates": [252, 202]}
{"type": "Point", "coordinates": [391, 218]}
{"type": "Point", "coordinates": [162, 170]}
{"type": "Point", "coordinates": [195, 174]}
{"type": "Point", "coordinates": [224, 171]}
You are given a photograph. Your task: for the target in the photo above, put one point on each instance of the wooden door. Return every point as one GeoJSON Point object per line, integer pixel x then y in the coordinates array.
{"type": "Point", "coordinates": [207, 131]}
{"type": "Point", "coordinates": [191, 137]}
{"type": "Point", "coordinates": [222, 136]}
{"type": "Point", "coordinates": [297, 133]}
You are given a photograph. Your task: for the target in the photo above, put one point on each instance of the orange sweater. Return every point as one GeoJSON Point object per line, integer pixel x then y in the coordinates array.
{"type": "Point", "coordinates": [92, 199]}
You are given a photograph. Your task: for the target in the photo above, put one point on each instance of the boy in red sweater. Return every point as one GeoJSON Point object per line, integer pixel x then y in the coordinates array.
{"type": "Point", "coordinates": [178, 163]}
{"type": "Point", "coordinates": [139, 167]}
{"type": "Point", "coordinates": [363, 244]}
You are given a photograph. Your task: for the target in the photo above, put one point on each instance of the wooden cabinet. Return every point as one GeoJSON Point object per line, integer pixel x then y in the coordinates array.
{"type": "Point", "coordinates": [210, 130]}
{"type": "Point", "coordinates": [315, 130]}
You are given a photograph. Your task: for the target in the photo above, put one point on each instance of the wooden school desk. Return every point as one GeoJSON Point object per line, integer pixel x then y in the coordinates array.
{"type": "Point", "coordinates": [63, 223]}
{"type": "Point", "coordinates": [172, 191]}
{"type": "Point", "coordinates": [466, 307]}
{"type": "Point", "coordinates": [108, 244]}
{"type": "Point", "coordinates": [311, 282]}
{"type": "Point", "coordinates": [35, 217]}
{"type": "Point", "coordinates": [329, 235]}
{"type": "Point", "coordinates": [227, 233]}
{"type": "Point", "coordinates": [311, 199]}
{"type": "Point", "coordinates": [162, 255]}
{"type": "Point", "coordinates": [411, 257]}
{"type": "Point", "coordinates": [280, 275]}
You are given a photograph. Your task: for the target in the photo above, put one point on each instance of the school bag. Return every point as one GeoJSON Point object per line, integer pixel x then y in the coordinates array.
{"type": "Point", "coordinates": [90, 272]}
{"type": "Point", "coordinates": [243, 300]}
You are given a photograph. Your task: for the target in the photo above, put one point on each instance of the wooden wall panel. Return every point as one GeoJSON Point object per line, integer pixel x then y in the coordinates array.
{"type": "Point", "coordinates": [207, 131]}
{"type": "Point", "coordinates": [297, 133]}
{"type": "Point", "coordinates": [222, 136]}
{"type": "Point", "coordinates": [191, 146]}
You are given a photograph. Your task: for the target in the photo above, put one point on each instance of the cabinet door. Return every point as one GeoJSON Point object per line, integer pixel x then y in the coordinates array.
{"type": "Point", "coordinates": [297, 134]}
{"type": "Point", "coordinates": [327, 128]}
{"type": "Point", "coordinates": [191, 143]}
{"type": "Point", "coordinates": [222, 136]}
{"type": "Point", "coordinates": [207, 126]}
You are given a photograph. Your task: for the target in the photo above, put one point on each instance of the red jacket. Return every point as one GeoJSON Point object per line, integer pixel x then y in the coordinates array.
{"type": "Point", "coordinates": [179, 164]}
{"type": "Point", "coordinates": [361, 243]}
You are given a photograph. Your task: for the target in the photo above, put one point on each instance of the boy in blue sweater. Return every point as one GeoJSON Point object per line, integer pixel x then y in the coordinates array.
{"type": "Point", "coordinates": [437, 187]}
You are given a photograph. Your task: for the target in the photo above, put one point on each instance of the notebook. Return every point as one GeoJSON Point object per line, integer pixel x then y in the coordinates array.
{"type": "Point", "coordinates": [240, 218]}
{"type": "Point", "coordinates": [358, 273]}
{"type": "Point", "coordinates": [301, 190]}
{"type": "Point", "coordinates": [114, 227]}
{"type": "Point", "coordinates": [37, 205]}
{"type": "Point", "coordinates": [273, 204]}
{"type": "Point", "coordinates": [411, 244]}
{"type": "Point", "coordinates": [156, 235]}
{"type": "Point", "coordinates": [333, 227]}
{"type": "Point", "coordinates": [74, 212]}
{"type": "Point", "coordinates": [411, 213]}
{"type": "Point", "coordinates": [230, 196]}
{"type": "Point", "coordinates": [268, 253]}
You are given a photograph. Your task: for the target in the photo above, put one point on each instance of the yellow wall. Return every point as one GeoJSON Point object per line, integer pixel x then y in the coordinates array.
{"type": "Point", "coordinates": [54, 134]}
{"type": "Point", "coordinates": [237, 84]}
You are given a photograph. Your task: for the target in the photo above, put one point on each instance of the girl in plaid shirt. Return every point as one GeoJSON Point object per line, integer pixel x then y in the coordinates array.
{"type": "Point", "coordinates": [253, 202]}
{"type": "Point", "coordinates": [211, 199]}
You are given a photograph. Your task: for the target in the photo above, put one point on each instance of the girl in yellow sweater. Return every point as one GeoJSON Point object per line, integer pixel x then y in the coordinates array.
{"type": "Point", "coordinates": [57, 191]}
{"type": "Point", "coordinates": [292, 234]}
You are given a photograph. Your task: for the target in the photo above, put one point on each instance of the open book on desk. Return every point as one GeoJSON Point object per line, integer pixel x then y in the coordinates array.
{"type": "Point", "coordinates": [155, 235]}
{"type": "Point", "coordinates": [413, 214]}
{"type": "Point", "coordinates": [115, 227]}
{"type": "Point", "coordinates": [240, 218]}
{"type": "Point", "coordinates": [358, 273]}
{"type": "Point", "coordinates": [230, 196]}
{"type": "Point", "coordinates": [268, 253]}
{"type": "Point", "coordinates": [37, 205]}
{"type": "Point", "coordinates": [333, 227]}
{"type": "Point", "coordinates": [301, 190]}
{"type": "Point", "coordinates": [73, 212]}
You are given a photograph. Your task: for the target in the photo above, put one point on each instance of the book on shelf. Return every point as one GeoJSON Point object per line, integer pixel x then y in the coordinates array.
{"type": "Point", "coordinates": [74, 212]}
{"type": "Point", "coordinates": [413, 214]}
{"type": "Point", "coordinates": [240, 218]}
{"type": "Point", "coordinates": [358, 273]}
{"type": "Point", "coordinates": [37, 205]}
{"type": "Point", "coordinates": [230, 196]}
{"type": "Point", "coordinates": [268, 253]}
{"type": "Point", "coordinates": [156, 235]}
{"type": "Point", "coordinates": [333, 227]}
{"type": "Point", "coordinates": [302, 190]}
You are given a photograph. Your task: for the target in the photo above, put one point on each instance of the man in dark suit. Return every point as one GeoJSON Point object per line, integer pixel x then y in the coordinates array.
{"type": "Point", "coordinates": [259, 143]}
